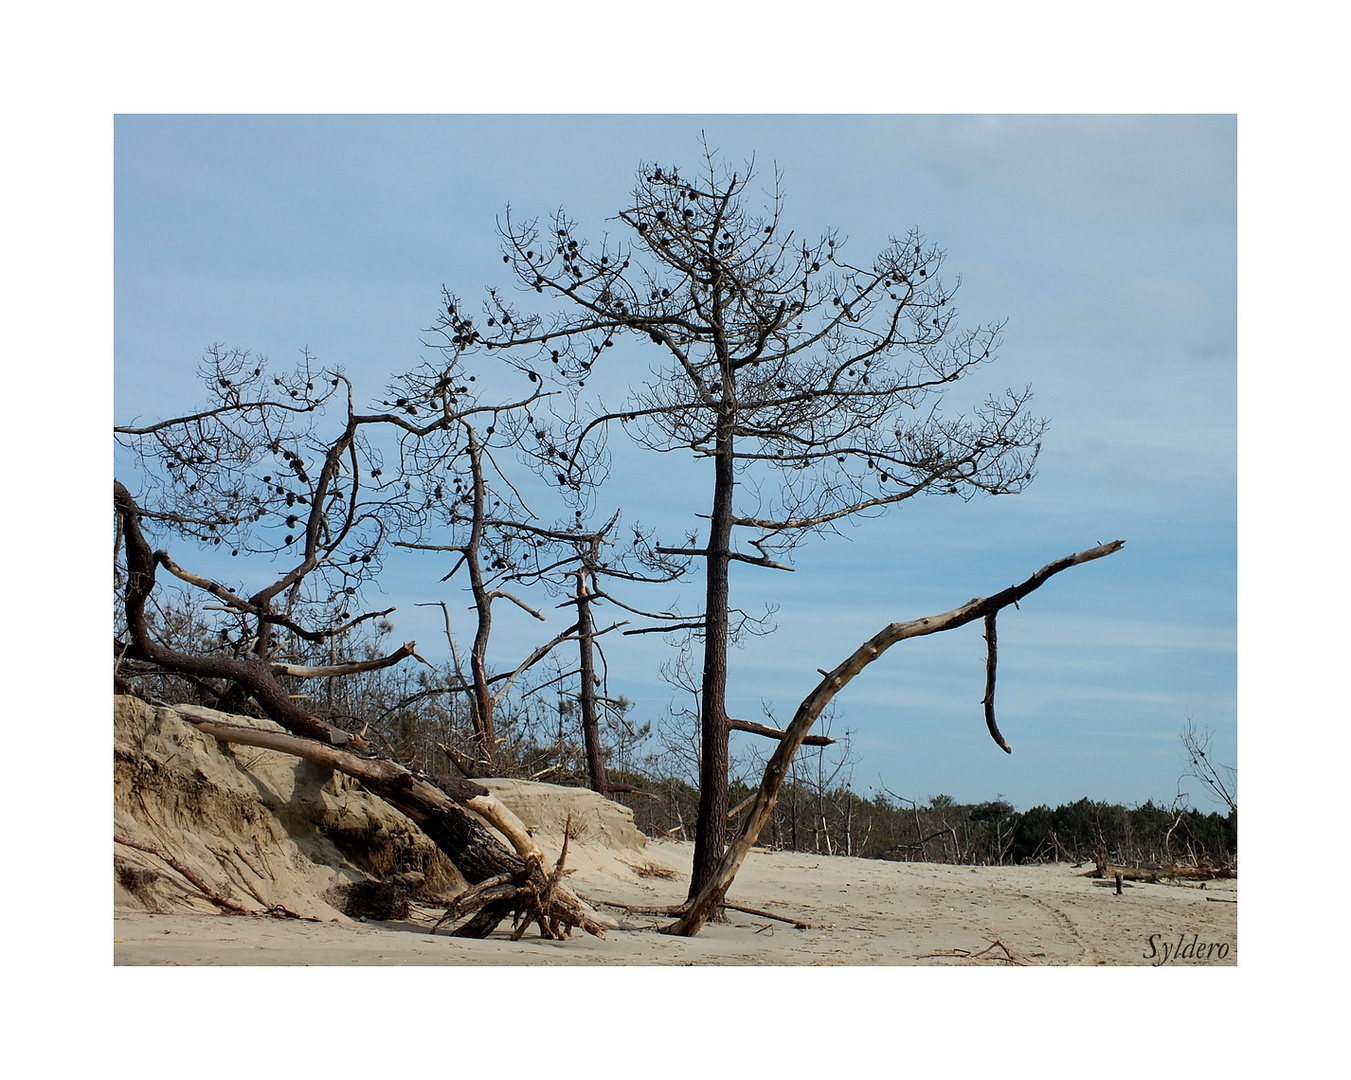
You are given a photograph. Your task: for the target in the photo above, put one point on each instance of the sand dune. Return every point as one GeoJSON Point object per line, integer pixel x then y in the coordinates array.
{"type": "Point", "coordinates": [268, 831]}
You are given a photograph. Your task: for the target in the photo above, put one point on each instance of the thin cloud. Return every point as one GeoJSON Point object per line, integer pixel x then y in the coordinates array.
{"type": "Point", "coordinates": [1161, 168]}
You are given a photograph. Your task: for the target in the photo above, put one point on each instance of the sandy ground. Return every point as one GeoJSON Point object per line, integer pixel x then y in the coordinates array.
{"type": "Point", "coordinates": [862, 912]}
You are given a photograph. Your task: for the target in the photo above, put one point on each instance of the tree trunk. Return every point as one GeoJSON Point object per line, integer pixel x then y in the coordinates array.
{"type": "Point", "coordinates": [595, 761]}
{"type": "Point", "coordinates": [482, 697]}
{"type": "Point", "coordinates": [711, 825]}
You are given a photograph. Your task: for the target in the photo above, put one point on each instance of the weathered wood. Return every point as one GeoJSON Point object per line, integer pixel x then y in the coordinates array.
{"type": "Point", "coordinates": [350, 667]}
{"type": "Point", "coordinates": [1161, 873]}
{"type": "Point", "coordinates": [991, 663]}
{"type": "Point", "coordinates": [751, 727]}
{"type": "Point", "coordinates": [796, 923]}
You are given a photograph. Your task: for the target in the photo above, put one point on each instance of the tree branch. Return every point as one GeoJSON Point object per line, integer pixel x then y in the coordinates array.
{"type": "Point", "coordinates": [774, 733]}
{"type": "Point", "coordinates": [495, 593]}
{"type": "Point", "coordinates": [332, 671]}
{"type": "Point", "coordinates": [738, 556]}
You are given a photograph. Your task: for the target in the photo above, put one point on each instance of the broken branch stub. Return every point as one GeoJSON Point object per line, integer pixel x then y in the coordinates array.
{"type": "Point", "coordinates": [711, 896]}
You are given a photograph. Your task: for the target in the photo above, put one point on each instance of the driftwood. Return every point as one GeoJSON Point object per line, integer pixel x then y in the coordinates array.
{"type": "Point", "coordinates": [797, 924]}
{"type": "Point", "coordinates": [529, 888]}
{"type": "Point", "coordinates": [710, 898]}
{"type": "Point", "coordinates": [1161, 873]}
{"type": "Point", "coordinates": [987, 953]}
{"type": "Point", "coordinates": [1202, 871]}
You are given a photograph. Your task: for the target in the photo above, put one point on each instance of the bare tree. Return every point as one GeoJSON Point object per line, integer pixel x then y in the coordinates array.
{"type": "Point", "coordinates": [484, 511]}
{"type": "Point", "coordinates": [255, 473]}
{"type": "Point", "coordinates": [814, 384]}
{"type": "Point", "coordinates": [590, 569]}
{"type": "Point", "coordinates": [518, 551]}
{"type": "Point", "coordinates": [1221, 780]}
{"type": "Point", "coordinates": [499, 539]}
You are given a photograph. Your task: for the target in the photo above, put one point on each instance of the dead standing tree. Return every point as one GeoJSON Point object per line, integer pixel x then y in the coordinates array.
{"type": "Point", "coordinates": [499, 543]}
{"type": "Point", "coordinates": [812, 384]}
{"type": "Point", "coordinates": [589, 571]}
{"type": "Point", "coordinates": [590, 559]}
{"type": "Point", "coordinates": [487, 518]}
{"type": "Point", "coordinates": [709, 898]}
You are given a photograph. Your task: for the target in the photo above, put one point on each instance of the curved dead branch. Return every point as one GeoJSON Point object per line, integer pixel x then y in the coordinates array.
{"type": "Point", "coordinates": [351, 667]}
{"type": "Point", "coordinates": [711, 896]}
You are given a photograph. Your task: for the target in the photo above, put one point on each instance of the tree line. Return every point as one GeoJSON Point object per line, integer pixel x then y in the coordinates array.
{"type": "Point", "coordinates": [841, 821]}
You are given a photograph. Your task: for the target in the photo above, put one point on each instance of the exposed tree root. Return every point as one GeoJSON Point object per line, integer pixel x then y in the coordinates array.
{"type": "Point", "coordinates": [538, 893]}
{"type": "Point", "coordinates": [532, 897]}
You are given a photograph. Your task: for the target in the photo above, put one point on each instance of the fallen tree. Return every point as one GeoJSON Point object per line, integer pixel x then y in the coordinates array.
{"type": "Point", "coordinates": [710, 898]}
{"type": "Point", "coordinates": [1203, 870]}
{"type": "Point", "coordinates": [536, 893]}
{"type": "Point", "coordinates": [524, 885]}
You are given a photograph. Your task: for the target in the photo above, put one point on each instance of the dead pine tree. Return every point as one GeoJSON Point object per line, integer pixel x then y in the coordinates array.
{"type": "Point", "coordinates": [483, 511]}
{"type": "Point", "coordinates": [812, 383]}
{"type": "Point", "coordinates": [500, 545]}
{"type": "Point", "coordinates": [593, 561]}
{"type": "Point", "coordinates": [592, 575]}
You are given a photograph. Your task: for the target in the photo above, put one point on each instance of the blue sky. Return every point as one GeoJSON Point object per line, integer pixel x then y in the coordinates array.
{"type": "Point", "coordinates": [1107, 242]}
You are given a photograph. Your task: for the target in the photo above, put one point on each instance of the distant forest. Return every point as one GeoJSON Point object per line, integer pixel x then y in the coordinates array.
{"type": "Point", "coordinates": [841, 822]}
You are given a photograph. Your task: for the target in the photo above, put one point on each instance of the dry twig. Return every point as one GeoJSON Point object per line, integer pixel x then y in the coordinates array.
{"type": "Point", "coordinates": [197, 881]}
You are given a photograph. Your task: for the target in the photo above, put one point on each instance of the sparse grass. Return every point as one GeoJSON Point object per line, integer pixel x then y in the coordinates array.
{"type": "Point", "coordinates": [653, 870]}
